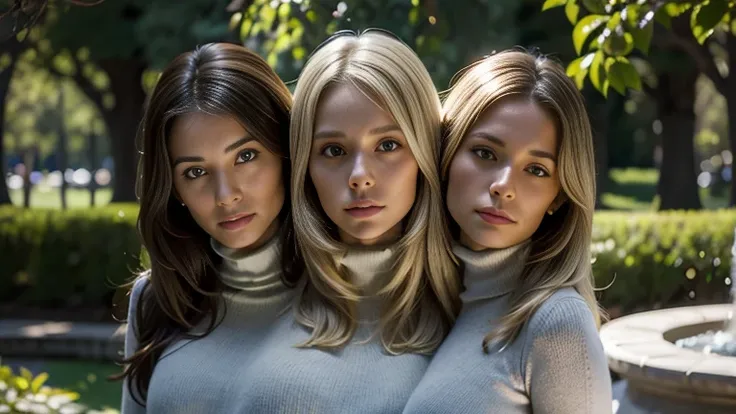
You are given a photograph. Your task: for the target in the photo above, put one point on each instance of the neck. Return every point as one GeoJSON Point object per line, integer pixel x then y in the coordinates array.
{"type": "Point", "coordinates": [492, 272]}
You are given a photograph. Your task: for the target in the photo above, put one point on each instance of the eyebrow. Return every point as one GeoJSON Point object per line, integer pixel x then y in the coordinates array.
{"type": "Point", "coordinates": [497, 141]}
{"type": "Point", "coordinates": [230, 148]}
{"type": "Point", "coordinates": [375, 131]}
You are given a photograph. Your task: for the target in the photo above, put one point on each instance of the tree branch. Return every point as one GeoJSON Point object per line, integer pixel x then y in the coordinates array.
{"type": "Point", "coordinates": [82, 82]}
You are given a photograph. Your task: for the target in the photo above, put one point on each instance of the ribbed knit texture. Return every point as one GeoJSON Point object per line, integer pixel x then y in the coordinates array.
{"type": "Point", "coordinates": [555, 365]}
{"type": "Point", "coordinates": [250, 364]}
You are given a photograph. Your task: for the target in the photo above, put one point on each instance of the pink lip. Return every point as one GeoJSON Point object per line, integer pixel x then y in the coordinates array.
{"type": "Point", "coordinates": [237, 221]}
{"type": "Point", "coordinates": [495, 216]}
{"type": "Point", "coordinates": [364, 212]}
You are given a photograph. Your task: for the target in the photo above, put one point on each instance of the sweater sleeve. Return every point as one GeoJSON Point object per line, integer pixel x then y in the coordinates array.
{"type": "Point", "coordinates": [566, 370]}
{"type": "Point", "coordinates": [129, 404]}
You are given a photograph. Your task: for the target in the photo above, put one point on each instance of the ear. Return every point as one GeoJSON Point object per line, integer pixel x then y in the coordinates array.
{"type": "Point", "coordinates": [557, 203]}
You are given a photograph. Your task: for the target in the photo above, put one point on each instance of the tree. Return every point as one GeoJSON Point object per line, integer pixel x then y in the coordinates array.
{"type": "Point", "coordinates": [13, 49]}
{"type": "Point", "coordinates": [616, 30]}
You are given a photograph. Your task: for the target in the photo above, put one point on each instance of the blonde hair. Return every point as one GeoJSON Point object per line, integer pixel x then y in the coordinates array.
{"type": "Point", "coordinates": [560, 248]}
{"type": "Point", "coordinates": [422, 297]}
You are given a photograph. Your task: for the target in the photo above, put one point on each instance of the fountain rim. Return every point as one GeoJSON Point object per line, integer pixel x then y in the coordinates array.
{"type": "Point", "coordinates": [637, 349]}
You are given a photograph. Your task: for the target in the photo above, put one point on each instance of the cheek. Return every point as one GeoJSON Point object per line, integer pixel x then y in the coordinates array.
{"type": "Point", "coordinates": [268, 186]}
{"type": "Point", "coordinates": [460, 186]}
{"type": "Point", "coordinates": [324, 182]}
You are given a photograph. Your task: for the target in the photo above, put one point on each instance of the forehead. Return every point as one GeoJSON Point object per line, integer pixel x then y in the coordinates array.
{"type": "Point", "coordinates": [344, 107]}
{"type": "Point", "coordinates": [200, 132]}
{"type": "Point", "coordinates": [519, 122]}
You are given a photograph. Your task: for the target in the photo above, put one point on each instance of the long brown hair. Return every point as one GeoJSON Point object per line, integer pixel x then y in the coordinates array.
{"type": "Point", "coordinates": [183, 286]}
{"type": "Point", "coordinates": [560, 249]}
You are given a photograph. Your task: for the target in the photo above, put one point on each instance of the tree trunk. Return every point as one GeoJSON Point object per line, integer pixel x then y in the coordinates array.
{"type": "Point", "coordinates": [730, 95]}
{"type": "Point", "coordinates": [29, 159]}
{"type": "Point", "coordinates": [677, 187]}
{"type": "Point", "coordinates": [122, 123]}
{"type": "Point", "coordinates": [13, 48]}
{"type": "Point", "coordinates": [601, 111]}
{"type": "Point", "coordinates": [92, 156]}
{"type": "Point", "coordinates": [62, 149]}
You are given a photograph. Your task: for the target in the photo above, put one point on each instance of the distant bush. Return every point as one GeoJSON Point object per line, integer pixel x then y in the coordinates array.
{"type": "Point", "coordinates": [663, 259]}
{"type": "Point", "coordinates": [59, 257]}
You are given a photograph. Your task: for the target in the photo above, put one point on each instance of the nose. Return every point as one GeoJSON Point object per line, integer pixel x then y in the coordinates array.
{"type": "Point", "coordinates": [360, 175]}
{"type": "Point", "coordinates": [503, 186]}
{"type": "Point", "coordinates": [228, 191]}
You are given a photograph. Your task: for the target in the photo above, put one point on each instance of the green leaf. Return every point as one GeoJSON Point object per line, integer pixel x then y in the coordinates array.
{"type": "Point", "coordinates": [549, 4]}
{"type": "Point", "coordinates": [25, 373]}
{"type": "Point", "coordinates": [21, 384]}
{"type": "Point", "coordinates": [595, 6]}
{"type": "Point", "coordinates": [614, 76]}
{"type": "Point", "coordinates": [38, 382]}
{"type": "Point", "coordinates": [662, 17]}
{"type": "Point", "coordinates": [572, 11]}
{"type": "Point", "coordinates": [598, 74]}
{"type": "Point", "coordinates": [706, 16]}
{"type": "Point", "coordinates": [630, 74]}
{"type": "Point", "coordinates": [584, 28]}
{"type": "Point", "coordinates": [578, 69]}
{"type": "Point", "coordinates": [643, 37]}
{"type": "Point", "coordinates": [619, 45]}
{"type": "Point", "coordinates": [575, 66]}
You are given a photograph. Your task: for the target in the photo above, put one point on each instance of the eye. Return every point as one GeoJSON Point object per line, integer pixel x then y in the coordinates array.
{"type": "Point", "coordinates": [484, 153]}
{"type": "Point", "coordinates": [247, 155]}
{"type": "Point", "coordinates": [331, 151]}
{"type": "Point", "coordinates": [538, 171]}
{"type": "Point", "coordinates": [388, 146]}
{"type": "Point", "coordinates": [194, 172]}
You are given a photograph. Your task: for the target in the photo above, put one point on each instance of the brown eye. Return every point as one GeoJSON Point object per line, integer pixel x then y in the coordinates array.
{"type": "Point", "coordinates": [331, 151]}
{"type": "Point", "coordinates": [194, 172]}
{"type": "Point", "coordinates": [247, 155]}
{"type": "Point", "coordinates": [484, 154]}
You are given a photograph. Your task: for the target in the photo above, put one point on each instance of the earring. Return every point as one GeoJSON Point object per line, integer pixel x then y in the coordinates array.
{"type": "Point", "coordinates": [550, 212]}
{"type": "Point", "coordinates": [183, 205]}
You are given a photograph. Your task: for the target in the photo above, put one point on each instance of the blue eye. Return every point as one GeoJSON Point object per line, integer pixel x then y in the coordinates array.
{"type": "Point", "coordinates": [331, 151]}
{"type": "Point", "coordinates": [389, 146]}
{"type": "Point", "coordinates": [247, 155]}
{"type": "Point", "coordinates": [194, 172]}
{"type": "Point", "coordinates": [484, 153]}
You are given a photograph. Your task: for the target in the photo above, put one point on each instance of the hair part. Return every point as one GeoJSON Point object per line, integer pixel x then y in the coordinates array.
{"type": "Point", "coordinates": [422, 297]}
{"type": "Point", "coordinates": [183, 287]}
{"type": "Point", "coordinates": [560, 248]}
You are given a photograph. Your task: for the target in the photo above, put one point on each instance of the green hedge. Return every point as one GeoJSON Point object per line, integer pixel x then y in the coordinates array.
{"type": "Point", "coordinates": [663, 259]}
{"type": "Point", "coordinates": [55, 258]}
{"type": "Point", "coordinates": [67, 257]}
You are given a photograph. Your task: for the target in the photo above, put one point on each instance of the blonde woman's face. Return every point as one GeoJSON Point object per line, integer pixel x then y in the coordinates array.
{"type": "Point", "coordinates": [231, 184]}
{"type": "Point", "coordinates": [361, 166]}
{"type": "Point", "coordinates": [503, 178]}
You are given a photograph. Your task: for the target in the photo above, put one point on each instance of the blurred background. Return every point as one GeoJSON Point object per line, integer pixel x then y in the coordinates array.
{"type": "Point", "coordinates": [74, 75]}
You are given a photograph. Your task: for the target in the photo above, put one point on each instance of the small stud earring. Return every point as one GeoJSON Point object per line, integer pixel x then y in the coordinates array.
{"type": "Point", "coordinates": [550, 212]}
{"type": "Point", "coordinates": [183, 205]}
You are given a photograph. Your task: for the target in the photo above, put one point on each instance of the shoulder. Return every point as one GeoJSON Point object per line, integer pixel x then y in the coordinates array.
{"type": "Point", "coordinates": [136, 292]}
{"type": "Point", "coordinates": [565, 312]}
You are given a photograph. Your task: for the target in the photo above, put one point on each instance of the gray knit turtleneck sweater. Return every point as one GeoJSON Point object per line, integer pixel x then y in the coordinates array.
{"type": "Point", "coordinates": [555, 365]}
{"type": "Point", "coordinates": [249, 363]}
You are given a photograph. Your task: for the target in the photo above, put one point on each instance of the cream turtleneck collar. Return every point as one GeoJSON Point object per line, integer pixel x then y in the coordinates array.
{"type": "Point", "coordinates": [493, 272]}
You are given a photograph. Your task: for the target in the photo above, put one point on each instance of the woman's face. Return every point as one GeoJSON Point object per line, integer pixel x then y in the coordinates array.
{"type": "Point", "coordinates": [230, 183]}
{"type": "Point", "coordinates": [361, 166]}
{"type": "Point", "coordinates": [503, 178]}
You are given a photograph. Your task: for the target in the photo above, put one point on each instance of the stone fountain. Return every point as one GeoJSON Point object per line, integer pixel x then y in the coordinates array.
{"type": "Point", "coordinates": [672, 361]}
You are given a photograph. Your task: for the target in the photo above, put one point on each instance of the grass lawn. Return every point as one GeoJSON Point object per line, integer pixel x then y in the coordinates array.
{"type": "Point", "coordinates": [89, 379]}
{"type": "Point", "coordinates": [636, 189]}
{"type": "Point", "coordinates": [45, 197]}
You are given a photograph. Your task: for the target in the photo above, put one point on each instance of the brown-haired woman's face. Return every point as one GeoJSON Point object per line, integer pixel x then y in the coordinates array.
{"type": "Point", "coordinates": [503, 178]}
{"type": "Point", "coordinates": [231, 184]}
{"type": "Point", "coordinates": [361, 166]}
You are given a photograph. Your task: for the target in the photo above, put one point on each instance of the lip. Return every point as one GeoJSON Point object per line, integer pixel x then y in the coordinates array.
{"type": "Point", "coordinates": [237, 221]}
{"type": "Point", "coordinates": [363, 208]}
{"type": "Point", "coordinates": [493, 215]}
